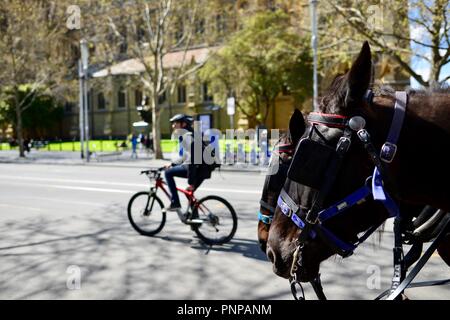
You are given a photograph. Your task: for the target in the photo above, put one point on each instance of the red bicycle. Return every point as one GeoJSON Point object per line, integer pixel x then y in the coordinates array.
{"type": "Point", "coordinates": [212, 218]}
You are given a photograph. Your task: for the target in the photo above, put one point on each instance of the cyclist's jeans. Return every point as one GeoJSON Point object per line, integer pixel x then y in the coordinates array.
{"type": "Point", "coordinates": [176, 171]}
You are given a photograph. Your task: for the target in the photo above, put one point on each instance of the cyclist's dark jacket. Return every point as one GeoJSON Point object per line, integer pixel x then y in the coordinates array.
{"type": "Point", "coordinates": [197, 173]}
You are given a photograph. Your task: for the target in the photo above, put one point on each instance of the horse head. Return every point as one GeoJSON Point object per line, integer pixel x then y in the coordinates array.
{"type": "Point", "coordinates": [325, 201]}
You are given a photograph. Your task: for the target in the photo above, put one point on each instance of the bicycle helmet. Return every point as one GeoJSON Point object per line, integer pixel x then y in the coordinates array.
{"type": "Point", "coordinates": [182, 117]}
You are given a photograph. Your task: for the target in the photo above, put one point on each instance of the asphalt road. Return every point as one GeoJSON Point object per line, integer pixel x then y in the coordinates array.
{"type": "Point", "coordinates": [64, 234]}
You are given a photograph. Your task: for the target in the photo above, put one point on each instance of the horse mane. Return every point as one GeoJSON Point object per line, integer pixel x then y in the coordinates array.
{"type": "Point", "coordinates": [389, 91]}
{"type": "Point", "coordinates": [334, 97]}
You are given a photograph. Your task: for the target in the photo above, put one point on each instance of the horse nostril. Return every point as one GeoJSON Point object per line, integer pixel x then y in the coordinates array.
{"type": "Point", "coordinates": [270, 255]}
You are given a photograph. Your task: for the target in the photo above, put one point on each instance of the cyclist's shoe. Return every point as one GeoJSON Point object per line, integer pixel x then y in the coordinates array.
{"type": "Point", "coordinates": [174, 207]}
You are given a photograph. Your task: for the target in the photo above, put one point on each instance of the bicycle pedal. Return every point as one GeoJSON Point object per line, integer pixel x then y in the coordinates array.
{"type": "Point", "coordinates": [194, 221]}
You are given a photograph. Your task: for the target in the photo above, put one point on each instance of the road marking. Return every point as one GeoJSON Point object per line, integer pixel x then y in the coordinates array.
{"type": "Point", "coordinates": [74, 181]}
{"type": "Point", "coordinates": [73, 187]}
{"type": "Point", "coordinates": [20, 207]}
{"type": "Point", "coordinates": [245, 191]}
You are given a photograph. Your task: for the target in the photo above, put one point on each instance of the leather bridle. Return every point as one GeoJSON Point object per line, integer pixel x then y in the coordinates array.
{"type": "Point", "coordinates": [311, 222]}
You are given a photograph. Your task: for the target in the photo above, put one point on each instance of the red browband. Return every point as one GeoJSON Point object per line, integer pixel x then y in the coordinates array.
{"type": "Point", "coordinates": [327, 119]}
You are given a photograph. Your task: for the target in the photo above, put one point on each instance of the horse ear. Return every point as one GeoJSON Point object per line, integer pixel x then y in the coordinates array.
{"type": "Point", "coordinates": [296, 126]}
{"type": "Point", "coordinates": [359, 76]}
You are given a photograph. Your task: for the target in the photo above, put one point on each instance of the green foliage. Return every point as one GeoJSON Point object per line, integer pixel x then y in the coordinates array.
{"type": "Point", "coordinates": [258, 62]}
{"type": "Point", "coordinates": [41, 116]}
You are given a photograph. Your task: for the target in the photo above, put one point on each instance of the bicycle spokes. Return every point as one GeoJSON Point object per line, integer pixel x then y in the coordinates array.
{"type": "Point", "coordinates": [212, 219]}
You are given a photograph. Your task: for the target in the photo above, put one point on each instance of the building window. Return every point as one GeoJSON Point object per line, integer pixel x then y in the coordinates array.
{"type": "Point", "coordinates": [179, 31]}
{"type": "Point", "coordinates": [200, 26]}
{"type": "Point", "coordinates": [162, 98]}
{"type": "Point", "coordinates": [101, 103]}
{"type": "Point", "coordinates": [141, 34]}
{"type": "Point", "coordinates": [89, 99]}
{"type": "Point", "coordinates": [221, 25]}
{"type": "Point", "coordinates": [206, 96]}
{"type": "Point", "coordinates": [181, 94]}
{"type": "Point", "coordinates": [121, 97]}
{"type": "Point", "coordinates": [68, 106]}
{"type": "Point", "coordinates": [138, 97]}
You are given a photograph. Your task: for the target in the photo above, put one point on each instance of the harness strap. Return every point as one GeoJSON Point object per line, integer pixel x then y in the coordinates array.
{"type": "Point", "coordinates": [267, 206]}
{"type": "Point", "coordinates": [330, 120]}
{"type": "Point", "coordinates": [289, 204]}
{"type": "Point", "coordinates": [343, 248]}
{"type": "Point", "coordinates": [389, 148]}
{"type": "Point", "coordinates": [419, 264]}
{"type": "Point", "coordinates": [292, 211]}
{"type": "Point", "coordinates": [356, 197]}
{"type": "Point", "coordinates": [382, 196]}
{"type": "Point", "coordinates": [284, 148]}
{"type": "Point", "coordinates": [265, 218]}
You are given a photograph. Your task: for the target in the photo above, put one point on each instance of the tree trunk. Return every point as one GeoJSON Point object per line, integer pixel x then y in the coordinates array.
{"type": "Point", "coordinates": [252, 121]}
{"type": "Point", "coordinates": [19, 129]}
{"type": "Point", "coordinates": [156, 129]}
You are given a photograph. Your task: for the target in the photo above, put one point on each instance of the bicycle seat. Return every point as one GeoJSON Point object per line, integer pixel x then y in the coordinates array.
{"type": "Point", "coordinates": [153, 170]}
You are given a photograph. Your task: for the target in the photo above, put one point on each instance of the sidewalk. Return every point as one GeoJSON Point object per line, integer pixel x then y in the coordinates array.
{"type": "Point", "coordinates": [113, 159]}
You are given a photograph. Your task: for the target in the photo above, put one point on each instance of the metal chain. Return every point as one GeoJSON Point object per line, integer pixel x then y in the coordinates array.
{"type": "Point", "coordinates": [296, 261]}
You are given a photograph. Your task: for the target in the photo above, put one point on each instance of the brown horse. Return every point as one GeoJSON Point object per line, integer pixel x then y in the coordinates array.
{"type": "Point", "coordinates": [418, 175]}
{"type": "Point", "coordinates": [277, 174]}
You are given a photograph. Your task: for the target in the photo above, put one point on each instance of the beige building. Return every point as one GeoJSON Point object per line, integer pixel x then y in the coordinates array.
{"type": "Point", "coordinates": [116, 92]}
{"type": "Point", "coordinates": [116, 97]}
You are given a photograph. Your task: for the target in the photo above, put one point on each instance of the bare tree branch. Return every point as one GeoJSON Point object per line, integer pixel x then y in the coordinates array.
{"type": "Point", "coordinates": [382, 45]}
{"type": "Point", "coordinates": [444, 80]}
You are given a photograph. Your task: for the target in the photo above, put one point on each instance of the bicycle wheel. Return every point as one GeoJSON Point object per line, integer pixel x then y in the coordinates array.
{"type": "Point", "coordinates": [219, 220]}
{"type": "Point", "coordinates": [146, 213]}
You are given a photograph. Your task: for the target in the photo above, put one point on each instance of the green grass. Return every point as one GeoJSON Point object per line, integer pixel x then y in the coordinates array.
{"type": "Point", "coordinates": [110, 146]}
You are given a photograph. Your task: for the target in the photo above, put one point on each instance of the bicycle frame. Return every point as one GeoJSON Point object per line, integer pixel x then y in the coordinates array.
{"type": "Point", "coordinates": [160, 184]}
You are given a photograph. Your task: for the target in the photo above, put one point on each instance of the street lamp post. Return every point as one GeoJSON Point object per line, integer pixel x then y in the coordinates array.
{"type": "Point", "coordinates": [81, 110]}
{"type": "Point", "coordinates": [85, 76]}
{"type": "Point", "coordinates": [313, 8]}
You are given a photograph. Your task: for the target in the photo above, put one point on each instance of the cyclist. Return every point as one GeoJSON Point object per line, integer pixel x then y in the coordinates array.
{"type": "Point", "coordinates": [182, 167]}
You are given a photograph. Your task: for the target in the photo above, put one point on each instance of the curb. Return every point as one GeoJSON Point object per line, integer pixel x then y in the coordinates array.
{"type": "Point", "coordinates": [142, 165]}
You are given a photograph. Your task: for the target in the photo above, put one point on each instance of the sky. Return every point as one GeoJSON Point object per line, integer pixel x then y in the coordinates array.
{"type": "Point", "coordinates": [418, 64]}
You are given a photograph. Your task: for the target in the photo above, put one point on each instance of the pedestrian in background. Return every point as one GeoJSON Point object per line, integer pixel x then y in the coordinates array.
{"type": "Point", "coordinates": [134, 142]}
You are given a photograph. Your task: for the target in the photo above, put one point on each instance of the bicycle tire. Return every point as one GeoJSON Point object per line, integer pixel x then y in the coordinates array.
{"type": "Point", "coordinates": [200, 229]}
{"type": "Point", "coordinates": [132, 219]}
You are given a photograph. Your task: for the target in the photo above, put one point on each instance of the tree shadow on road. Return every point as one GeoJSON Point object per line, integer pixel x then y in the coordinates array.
{"type": "Point", "coordinates": [117, 263]}
{"type": "Point", "coordinates": [248, 248]}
